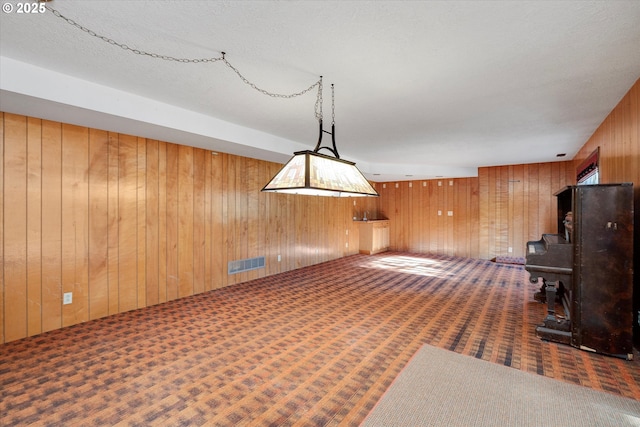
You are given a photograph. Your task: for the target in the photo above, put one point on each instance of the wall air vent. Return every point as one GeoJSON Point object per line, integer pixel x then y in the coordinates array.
{"type": "Point", "coordinates": [243, 265]}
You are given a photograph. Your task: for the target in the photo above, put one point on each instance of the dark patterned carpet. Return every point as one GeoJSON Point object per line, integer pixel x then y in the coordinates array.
{"type": "Point", "coordinates": [315, 346]}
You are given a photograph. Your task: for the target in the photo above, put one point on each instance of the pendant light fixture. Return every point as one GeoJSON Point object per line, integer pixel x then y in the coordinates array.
{"type": "Point", "coordinates": [315, 174]}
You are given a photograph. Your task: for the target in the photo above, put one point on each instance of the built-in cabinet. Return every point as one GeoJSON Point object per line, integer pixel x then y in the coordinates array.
{"type": "Point", "coordinates": [374, 236]}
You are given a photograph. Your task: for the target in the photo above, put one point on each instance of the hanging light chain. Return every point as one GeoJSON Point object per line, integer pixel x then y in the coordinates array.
{"type": "Point", "coordinates": [333, 106]}
{"type": "Point", "coordinates": [318, 109]}
{"type": "Point", "coordinates": [189, 61]}
{"type": "Point", "coordinates": [125, 47]}
{"type": "Point", "coordinates": [263, 91]}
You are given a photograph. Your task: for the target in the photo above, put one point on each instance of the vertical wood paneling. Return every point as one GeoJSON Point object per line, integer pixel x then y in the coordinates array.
{"type": "Point", "coordinates": [270, 224]}
{"type": "Point", "coordinates": [308, 251]}
{"type": "Point", "coordinates": [385, 205]}
{"type": "Point", "coordinates": [152, 224]}
{"type": "Point", "coordinates": [502, 223]}
{"type": "Point", "coordinates": [231, 226]}
{"type": "Point", "coordinates": [208, 222]}
{"type": "Point", "coordinates": [51, 225]}
{"type": "Point", "coordinates": [280, 239]}
{"type": "Point", "coordinates": [460, 229]}
{"type": "Point", "coordinates": [440, 230]}
{"type": "Point", "coordinates": [276, 235]}
{"type": "Point", "coordinates": [483, 189]}
{"type": "Point", "coordinates": [127, 223]}
{"type": "Point", "coordinates": [556, 184]}
{"type": "Point", "coordinates": [544, 203]}
{"type": "Point", "coordinates": [199, 207]}
{"type": "Point", "coordinates": [15, 226]}
{"type": "Point", "coordinates": [172, 217]}
{"type": "Point", "coordinates": [75, 227]}
{"type": "Point", "coordinates": [185, 221]}
{"type": "Point", "coordinates": [316, 218]}
{"type": "Point", "coordinates": [525, 205]}
{"type": "Point", "coordinates": [395, 216]}
{"type": "Point", "coordinates": [488, 212]}
{"type": "Point", "coordinates": [217, 235]}
{"type": "Point", "coordinates": [493, 209]}
{"type": "Point", "coordinates": [141, 229]}
{"type": "Point", "coordinates": [34, 224]}
{"type": "Point", "coordinates": [163, 240]}
{"type": "Point", "coordinates": [271, 234]}
{"type": "Point", "coordinates": [423, 217]}
{"type": "Point", "coordinates": [619, 140]}
{"type": "Point", "coordinates": [474, 209]}
{"type": "Point", "coordinates": [113, 223]}
{"type": "Point", "coordinates": [517, 214]}
{"type": "Point", "coordinates": [98, 224]}
{"type": "Point", "coordinates": [298, 241]}
{"type": "Point", "coordinates": [254, 213]}
{"type": "Point", "coordinates": [449, 216]}
{"type": "Point", "coordinates": [413, 217]}
{"type": "Point", "coordinates": [287, 237]}
{"type": "Point", "coordinates": [403, 215]}
{"type": "Point", "coordinates": [225, 189]}
{"type": "Point", "coordinates": [433, 215]}
{"type": "Point", "coordinates": [533, 180]}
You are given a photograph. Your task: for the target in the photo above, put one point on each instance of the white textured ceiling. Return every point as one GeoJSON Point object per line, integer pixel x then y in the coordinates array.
{"type": "Point", "coordinates": [423, 88]}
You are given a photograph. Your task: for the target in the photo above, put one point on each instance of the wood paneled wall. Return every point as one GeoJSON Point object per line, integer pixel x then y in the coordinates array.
{"type": "Point", "coordinates": [126, 222]}
{"type": "Point", "coordinates": [498, 212]}
{"type": "Point", "coordinates": [517, 205]}
{"type": "Point", "coordinates": [419, 215]}
{"type": "Point", "coordinates": [492, 215]}
{"type": "Point", "coordinates": [619, 140]}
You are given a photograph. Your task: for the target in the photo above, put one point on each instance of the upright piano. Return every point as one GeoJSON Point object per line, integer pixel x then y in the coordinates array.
{"type": "Point", "coordinates": [586, 270]}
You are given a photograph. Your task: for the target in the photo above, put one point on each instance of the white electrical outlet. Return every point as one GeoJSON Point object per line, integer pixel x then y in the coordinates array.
{"type": "Point", "coordinates": [510, 249]}
{"type": "Point", "coordinates": [279, 258]}
{"type": "Point", "coordinates": [67, 298]}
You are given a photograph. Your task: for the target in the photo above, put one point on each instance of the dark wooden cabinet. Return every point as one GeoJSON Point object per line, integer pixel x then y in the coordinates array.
{"type": "Point", "coordinates": [602, 291]}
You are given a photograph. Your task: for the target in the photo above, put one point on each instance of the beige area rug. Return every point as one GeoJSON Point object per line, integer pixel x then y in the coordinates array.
{"type": "Point", "coordinates": [443, 388]}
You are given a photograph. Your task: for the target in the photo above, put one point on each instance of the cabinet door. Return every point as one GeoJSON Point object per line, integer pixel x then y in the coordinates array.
{"type": "Point", "coordinates": [378, 238]}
